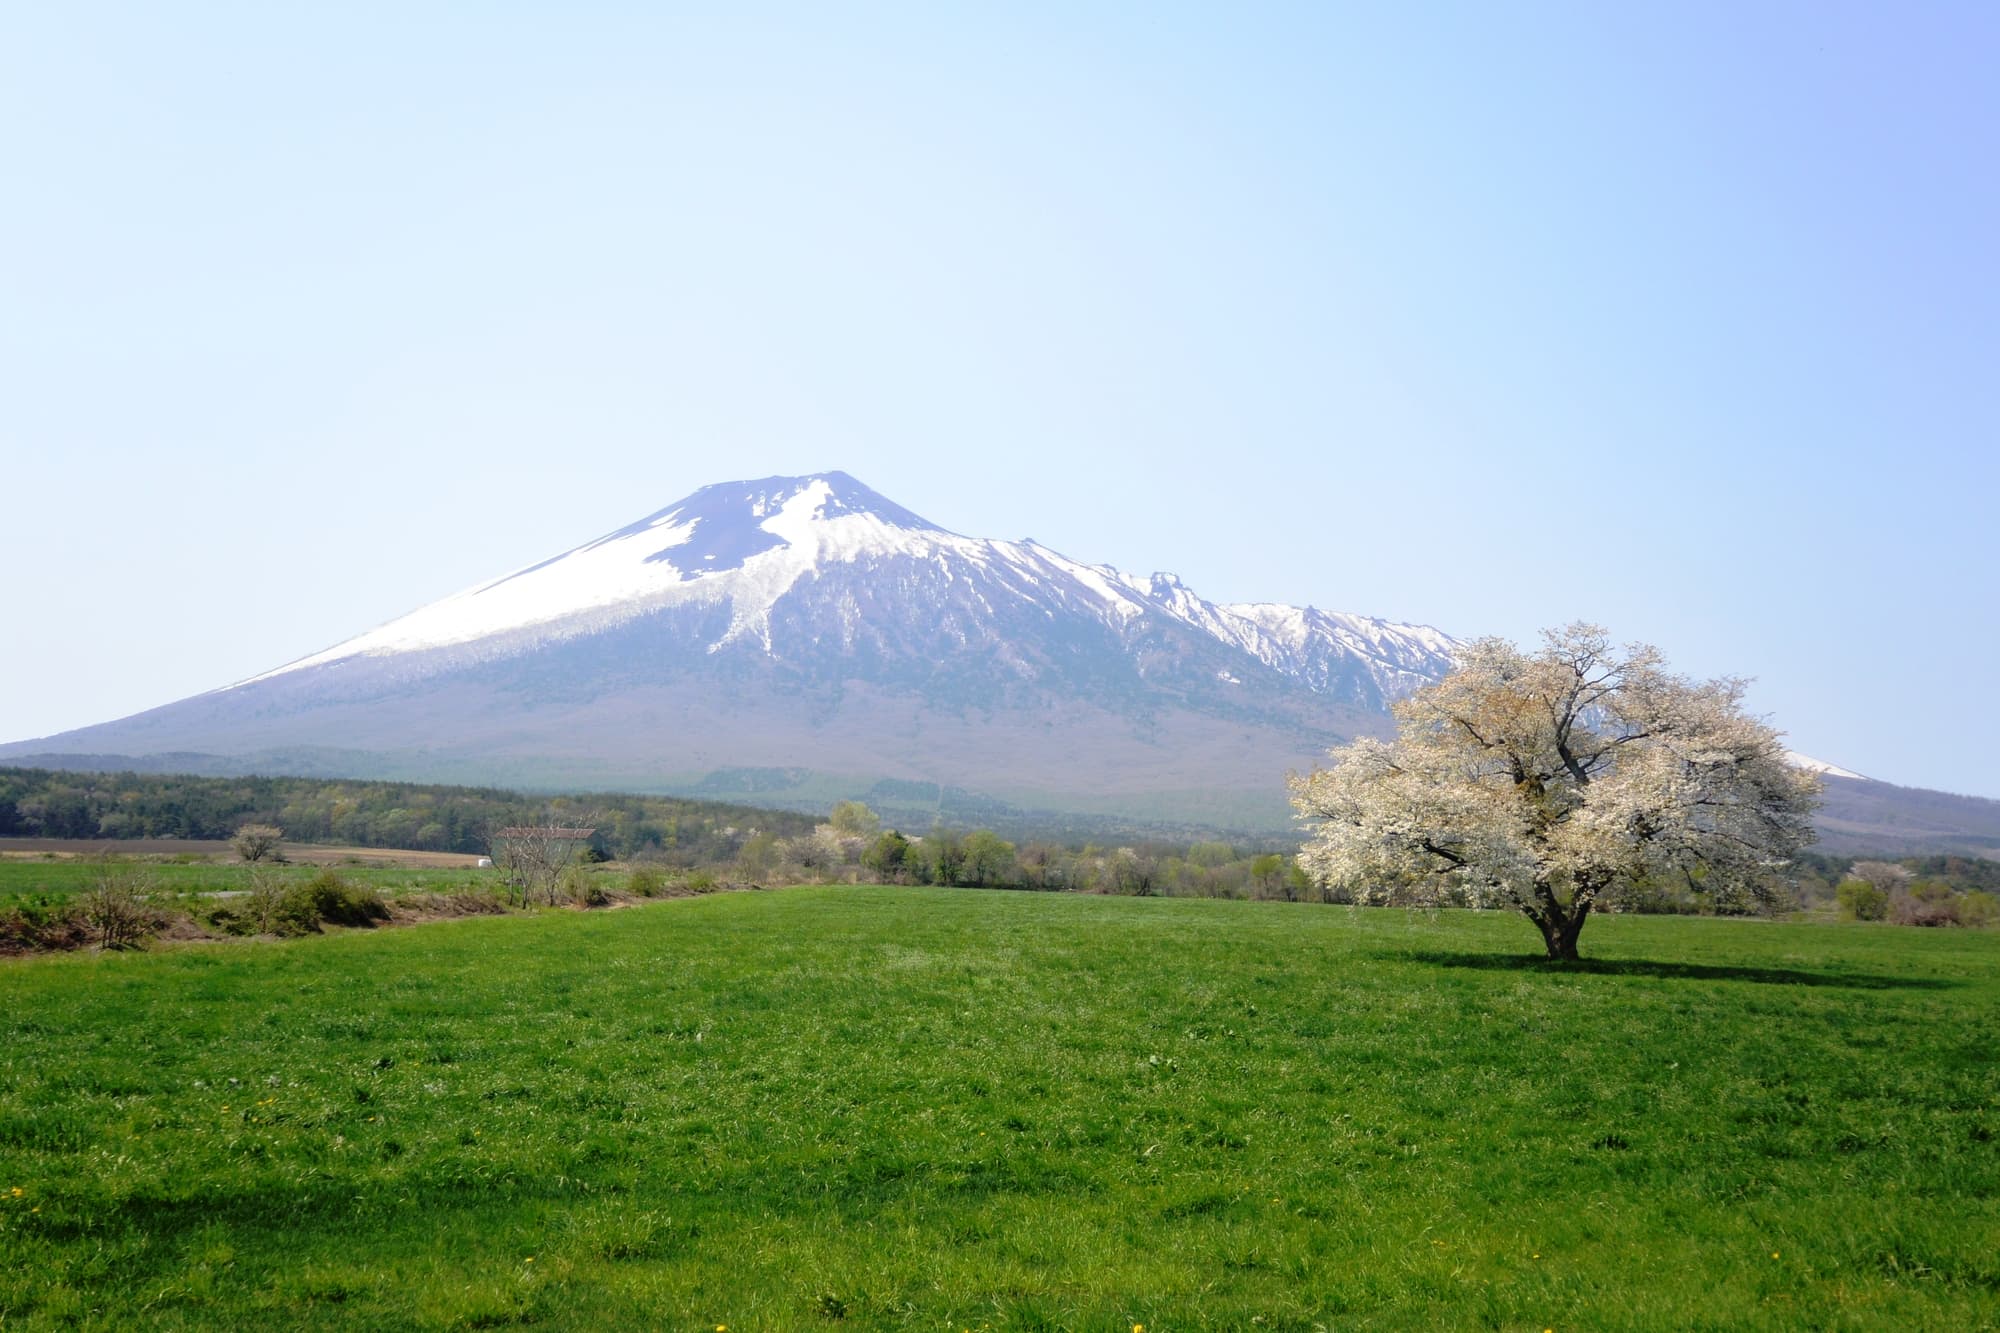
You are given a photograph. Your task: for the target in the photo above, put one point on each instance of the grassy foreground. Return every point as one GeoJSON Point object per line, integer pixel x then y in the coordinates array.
{"type": "Point", "coordinates": [937, 1108]}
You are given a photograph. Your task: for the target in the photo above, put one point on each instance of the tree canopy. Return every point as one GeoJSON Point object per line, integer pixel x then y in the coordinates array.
{"type": "Point", "coordinates": [1555, 781]}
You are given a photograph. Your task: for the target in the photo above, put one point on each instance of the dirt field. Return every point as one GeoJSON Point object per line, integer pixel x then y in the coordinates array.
{"type": "Point", "coordinates": [313, 854]}
{"type": "Point", "coordinates": [298, 852]}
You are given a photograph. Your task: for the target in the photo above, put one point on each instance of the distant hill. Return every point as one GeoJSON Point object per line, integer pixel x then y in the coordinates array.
{"type": "Point", "coordinates": [1867, 816]}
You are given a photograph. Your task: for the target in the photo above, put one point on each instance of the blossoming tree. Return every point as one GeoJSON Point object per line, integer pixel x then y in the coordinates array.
{"type": "Point", "coordinates": [1551, 782]}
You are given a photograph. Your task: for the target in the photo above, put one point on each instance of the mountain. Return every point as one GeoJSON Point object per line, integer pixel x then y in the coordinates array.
{"type": "Point", "coordinates": [794, 640]}
{"type": "Point", "coordinates": [1860, 816]}
{"type": "Point", "coordinates": [801, 637]}
{"type": "Point", "coordinates": [825, 575]}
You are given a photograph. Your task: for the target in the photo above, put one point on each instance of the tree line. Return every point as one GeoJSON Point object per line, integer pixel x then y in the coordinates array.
{"type": "Point", "coordinates": [726, 842]}
{"type": "Point", "coordinates": [39, 803]}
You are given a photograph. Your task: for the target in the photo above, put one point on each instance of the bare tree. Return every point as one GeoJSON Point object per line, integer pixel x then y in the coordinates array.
{"type": "Point", "coordinates": [533, 857]}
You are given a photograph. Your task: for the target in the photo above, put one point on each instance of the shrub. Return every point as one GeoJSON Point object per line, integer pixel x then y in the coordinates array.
{"type": "Point", "coordinates": [888, 856]}
{"type": "Point", "coordinates": [581, 888]}
{"type": "Point", "coordinates": [1979, 908]}
{"type": "Point", "coordinates": [645, 882]}
{"type": "Point", "coordinates": [1861, 900]}
{"type": "Point", "coordinates": [326, 897]}
{"type": "Point", "coordinates": [26, 927]}
{"type": "Point", "coordinates": [701, 881]}
{"type": "Point", "coordinates": [115, 911]}
{"type": "Point", "coordinates": [1910, 909]}
{"type": "Point", "coordinates": [269, 908]}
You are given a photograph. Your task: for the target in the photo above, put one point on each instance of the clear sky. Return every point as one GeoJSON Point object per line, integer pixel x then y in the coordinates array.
{"type": "Point", "coordinates": [1683, 318]}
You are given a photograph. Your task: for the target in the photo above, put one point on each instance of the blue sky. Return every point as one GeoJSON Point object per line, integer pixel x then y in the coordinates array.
{"type": "Point", "coordinates": [1683, 319]}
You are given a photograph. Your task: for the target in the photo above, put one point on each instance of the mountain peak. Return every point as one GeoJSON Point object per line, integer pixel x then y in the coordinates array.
{"type": "Point", "coordinates": [731, 519]}
{"type": "Point", "coordinates": [824, 495]}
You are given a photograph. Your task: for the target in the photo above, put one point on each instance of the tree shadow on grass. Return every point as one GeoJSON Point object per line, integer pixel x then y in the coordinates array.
{"type": "Point", "coordinates": [1639, 967]}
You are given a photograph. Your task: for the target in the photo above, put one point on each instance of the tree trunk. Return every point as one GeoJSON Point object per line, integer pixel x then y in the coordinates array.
{"type": "Point", "coordinates": [1560, 929]}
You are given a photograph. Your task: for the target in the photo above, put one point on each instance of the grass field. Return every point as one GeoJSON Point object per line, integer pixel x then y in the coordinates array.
{"type": "Point", "coordinates": [938, 1108]}
{"type": "Point", "coordinates": [48, 881]}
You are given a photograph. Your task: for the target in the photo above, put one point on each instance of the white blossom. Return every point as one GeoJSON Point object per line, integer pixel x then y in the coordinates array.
{"type": "Point", "coordinates": [1554, 781]}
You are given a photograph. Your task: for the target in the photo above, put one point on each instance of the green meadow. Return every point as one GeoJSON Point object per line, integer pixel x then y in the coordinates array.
{"type": "Point", "coordinates": [37, 882]}
{"type": "Point", "coordinates": [928, 1108]}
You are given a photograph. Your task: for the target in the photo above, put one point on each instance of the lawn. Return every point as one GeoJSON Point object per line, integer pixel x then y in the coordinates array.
{"type": "Point", "coordinates": [949, 1108]}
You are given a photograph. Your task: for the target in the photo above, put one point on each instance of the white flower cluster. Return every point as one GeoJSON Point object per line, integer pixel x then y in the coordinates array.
{"type": "Point", "coordinates": [1553, 781]}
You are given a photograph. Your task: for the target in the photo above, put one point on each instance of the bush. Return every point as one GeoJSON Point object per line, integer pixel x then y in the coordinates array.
{"type": "Point", "coordinates": [1861, 900]}
{"type": "Point", "coordinates": [273, 907]}
{"type": "Point", "coordinates": [28, 927]}
{"type": "Point", "coordinates": [580, 888]}
{"type": "Point", "coordinates": [269, 908]}
{"type": "Point", "coordinates": [115, 912]}
{"type": "Point", "coordinates": [1910, 909]}
{"type": "Point", "coordinates": [701, 881]}
{"type": "Point", "coordinates": [326, 897]}
{"type": "Point", "coordinates": [645, 882]}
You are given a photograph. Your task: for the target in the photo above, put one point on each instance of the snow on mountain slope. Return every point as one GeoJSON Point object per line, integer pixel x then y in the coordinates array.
{"type": "Point", "coordinates": [746, 542]}
{"type": "Point", "coordinates": [1820, 766]}
{"type": "Point", "coordinates": [749, 546]}
{"type": "Point", "coordinates": [1316, 647]}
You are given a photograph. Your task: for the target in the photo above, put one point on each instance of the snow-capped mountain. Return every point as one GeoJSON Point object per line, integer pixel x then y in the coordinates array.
{"type": "Point", "coordinates": [810, 625]}
{"type": "Point", "coordinates": [757, 558]}
{"type": "Point", "coordinates": [797, 639]}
